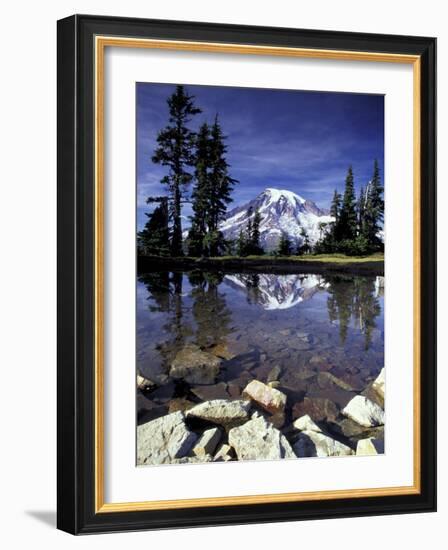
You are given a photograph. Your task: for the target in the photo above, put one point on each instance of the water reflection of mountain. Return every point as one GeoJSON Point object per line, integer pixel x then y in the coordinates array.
{"type": "Point", "coordinates": [277, 291]}
{"type": "Point", "coordinates": [205, 315]}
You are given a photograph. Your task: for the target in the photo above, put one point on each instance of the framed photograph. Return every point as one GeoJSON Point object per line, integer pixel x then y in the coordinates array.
{"type": "Point", "coordinates": [246, 271]}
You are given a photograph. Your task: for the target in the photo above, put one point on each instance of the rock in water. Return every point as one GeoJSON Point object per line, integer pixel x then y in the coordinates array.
{"type": "Point", "coordinates": [221, 350]}
{"type": "Point", "coordinates": [259, 440]}
{"type": "Point", "coordinates": [274, 374]}
{"type": "Point", "coordinates": [379, 384]}
{"type": "Point", "coordinates": [313, 442]}
{"type": "Point", "coordinates": [364, 412]}
{"type": "Point", "coordinates": [369, 446]}
{"type": "Point", "coordinates": [270, 399]}
{"type": "Point", "coordinates": [164, 439]}
{"type": "Point", "coordinates": [221, 411]}
{"type": "Point", "coordinates": [326, 380]}
{"type": "Point", "coordinates": [195, 366]}
{"type": "Point", "coordinates": [208, 442]}
{"type": "Point", "coordinates": [319, 408]}
{"type": "Point", "coordinates": [144, 384]}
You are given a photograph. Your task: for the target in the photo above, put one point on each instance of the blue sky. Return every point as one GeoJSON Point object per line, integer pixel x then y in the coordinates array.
{"type": "Point", "coordinates": [295, 140]}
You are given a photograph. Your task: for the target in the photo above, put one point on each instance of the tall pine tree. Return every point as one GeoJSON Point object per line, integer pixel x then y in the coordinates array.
{"type": "Point", "coordinates": [175, 150]}
{"type": "Point", "coordinates": [220, 187]}
{"type": "Point", "coordinates": [374, 210]}
{"type": "Point", "coordinates": [201, 192]}
{"type": "Point", "coordinates": [255, 247]}
{"type": "Point", "coordinates": [346, 225]}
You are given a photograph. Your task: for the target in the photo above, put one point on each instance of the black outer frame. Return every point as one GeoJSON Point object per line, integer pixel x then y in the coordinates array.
{"type": "Point", "coordinates": [75, 403]}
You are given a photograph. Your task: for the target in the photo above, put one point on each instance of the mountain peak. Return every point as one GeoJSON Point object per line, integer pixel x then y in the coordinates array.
{"type": "Point", "coordinates": [279, 194]}
{"type": "Point", "coordinates": [282, 211]}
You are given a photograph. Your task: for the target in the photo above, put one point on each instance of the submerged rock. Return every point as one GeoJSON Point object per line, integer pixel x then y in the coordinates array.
{"type": "Point", "coordinates": [221, 411]}
{"type": "Point", "coordinates": [274, 374]}
{"type": "Point", "coordinates": [364, 412]}
{"type": "Point", "coordinates": [259, 440]}
{"type": "Point", "coordinates": [164, 439]}
{"type": "Point", "coordinates": [313, 442]}
{"type": "Point", "coordinates": [195, 366]}
{"type": "Point", "coordinates": [326, 380]}
{"type": "Point", "coordinates": [144, 384]}
{"type": "Point", "coordinates": [214, 391]}
{"type": "Point", "coordinates": [318, 408]}
{"type": "Point", "coordinates": [370, 446]}
{"type": "Point", "coordinates": [222, 350]}
{"type": "Point", "coordinates": [208, 442]}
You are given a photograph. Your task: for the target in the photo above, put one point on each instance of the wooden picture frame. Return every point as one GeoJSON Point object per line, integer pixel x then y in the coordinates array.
{"type": "Point", "coordinates": [82, 40]}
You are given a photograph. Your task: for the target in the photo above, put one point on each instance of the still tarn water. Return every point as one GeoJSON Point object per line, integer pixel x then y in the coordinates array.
{"type": "Point", "coordinates": [289, 328]}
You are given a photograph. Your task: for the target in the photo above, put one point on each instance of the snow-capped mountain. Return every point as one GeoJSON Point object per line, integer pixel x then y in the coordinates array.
{"type": "Point", "coordinates": [277, 291]}
{"type": "Point", "coordinates": [281, 212]}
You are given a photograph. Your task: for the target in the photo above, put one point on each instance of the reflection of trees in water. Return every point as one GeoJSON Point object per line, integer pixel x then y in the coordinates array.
{"type": "Point", "coordinates": [165, 296]}
{"type": "Point", "coordinates": [252, 282]}
{"type": "Point", "coordinates": [353, 298]}
{"type": "Point", "coordinates": [210, 311]}
{"type": "Point", "coordinates": [209, 308]}
{"type": "Point", "coordinates": [350, 299]}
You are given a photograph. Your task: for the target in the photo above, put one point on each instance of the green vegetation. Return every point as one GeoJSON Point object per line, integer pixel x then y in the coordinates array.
{"type": "Point", "coordinates": [176, 151]}
{"type": "Point", "coordinates": [357, 224]}
{"type": "Point", "coordinates": [321, 258]}
{"type": "Point", "coordinates": [198, 160]}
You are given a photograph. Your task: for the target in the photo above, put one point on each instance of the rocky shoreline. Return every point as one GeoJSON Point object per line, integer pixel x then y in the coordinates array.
{"type": "Point", "coordinates": [263, 421]}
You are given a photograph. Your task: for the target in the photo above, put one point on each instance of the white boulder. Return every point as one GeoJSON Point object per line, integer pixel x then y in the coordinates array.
{"type": "Point", "coordinates": [369, 446]}
{"type": "Point", "coordinates": [259, 440]}
{"type": "Point", "coordinates": [364, 411]}
{"type": "Point", "coordinates": [164, 439]}
{"type": "Point", "coordinates": [313, 442]}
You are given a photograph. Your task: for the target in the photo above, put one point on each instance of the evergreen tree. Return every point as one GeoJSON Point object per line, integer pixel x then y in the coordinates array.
{"type": "Point", "coordinates": [220, 187]}
{"type": "Point", "coordinates": [253, 233]}
{"type": "Point", "coordinates": [374, 210]}
{"type": "Point", "coordinates": [200, 194]}
{"type": "Point", "coordinates": [284, 247]}
{"type": "Point", "coordinates": [305, 247]}
{"type": "Point", "coordinates": [175, 151]}
{"type": "Point", "coordinates": [360, 210]}
{"type": "Point", "coordinates": [153, 240]}
{"type": "Point", "coordinates": [345, 228]}
{"type": "Point", "coordinates": [241, 244]}
{"type": "Point", "coordinates": [335, 205]}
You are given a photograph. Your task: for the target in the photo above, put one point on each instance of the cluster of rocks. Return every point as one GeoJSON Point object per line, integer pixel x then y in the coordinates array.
{"type": "Point", "coordinates": [261, 424]}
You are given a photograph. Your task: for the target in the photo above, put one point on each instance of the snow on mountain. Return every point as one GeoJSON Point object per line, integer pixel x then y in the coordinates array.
{"type": "Point", "coordinates": [281, 211]}
{"type": "Point", "coordinates": [278, 291]}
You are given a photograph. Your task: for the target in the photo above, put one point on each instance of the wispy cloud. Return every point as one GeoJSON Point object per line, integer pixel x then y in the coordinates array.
{"type": "Point", "coordinates": [303, 141]}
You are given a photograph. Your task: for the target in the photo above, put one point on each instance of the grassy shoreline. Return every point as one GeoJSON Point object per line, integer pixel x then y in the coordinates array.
{"type": "Point", "coordinates": [362, 265]}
